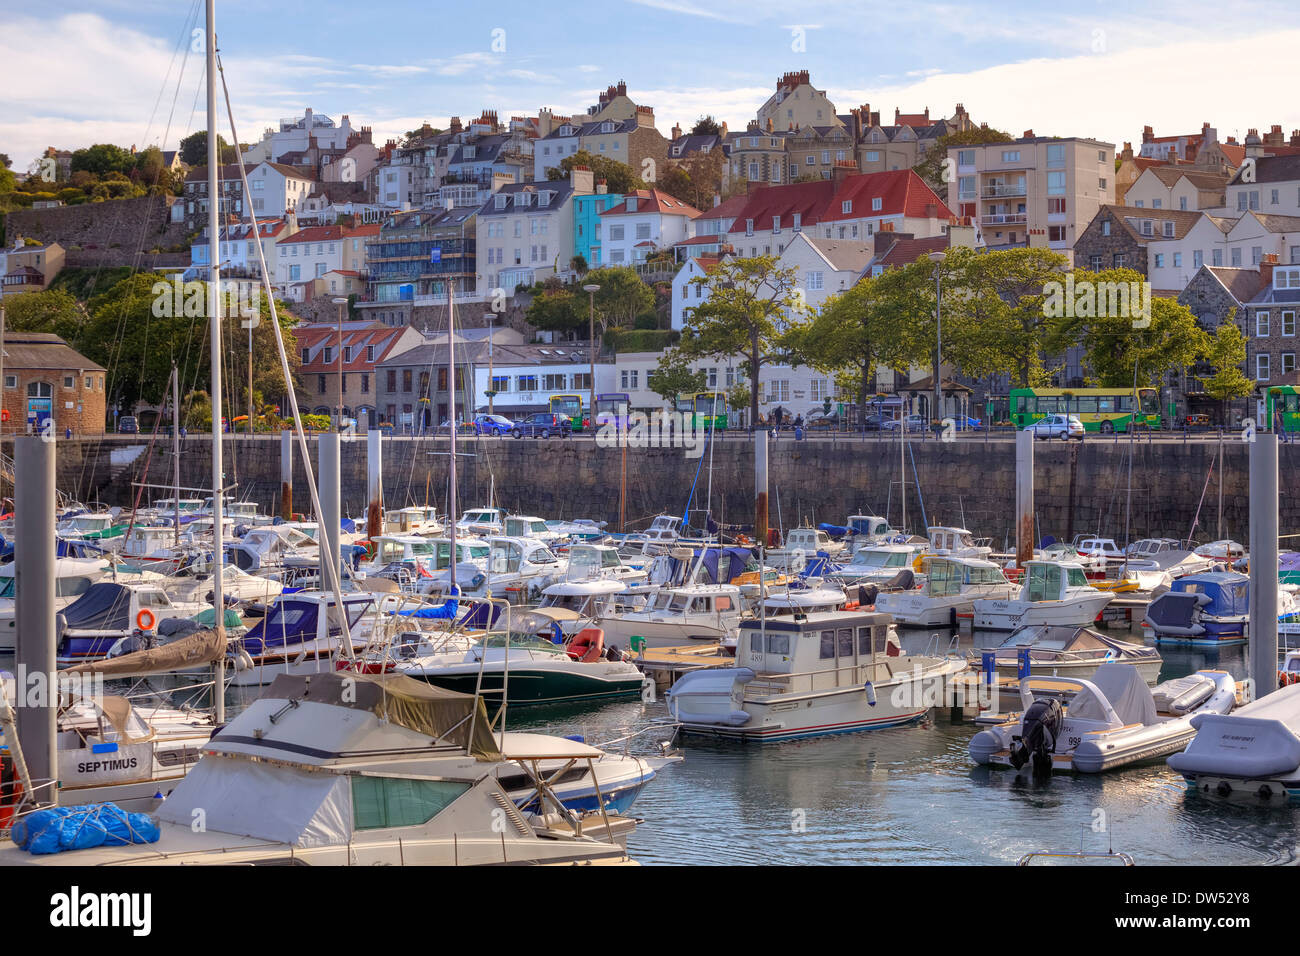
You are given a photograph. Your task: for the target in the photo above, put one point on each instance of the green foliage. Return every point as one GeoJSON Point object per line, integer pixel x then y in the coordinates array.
{"type": "Point", "coordinates": [194, 149]}
{"type": "Point", "coordinates": [196, 411]}
{"type": "Point", "coordinates": [706, 126]}
{"type": "Point", "coordinates": [622, 296]}
{"type": "Point", "coordinates": [932, 166]}
{"type": "Point", "coordinates": [647, 320]}
{"type": "Point", "coordinates": [557, 310]}
{"type": "Point", "coordinates": [53, 311]}
{"type": "Point", "coordinates": [673, 377]}
{"type": "Point", "coordinates": [619, 177]}
{"type": "Point", "coordinates": [640, 340]}
{"type": "Point", "coordinates": [1227, 354]}
{"type": "Point", "coordinates": [103, 158]}
{"type": "Point", "coordinates": [578, 264]}
{"type": "Point", "coordinates": [1116, 344]}
{"type": "Point", "coordinates": [84, 283]}
{"type": "Point", "coordinates": [749, 307]}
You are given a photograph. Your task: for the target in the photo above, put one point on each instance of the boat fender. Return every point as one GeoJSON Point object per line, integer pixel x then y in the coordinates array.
{"type": "Point", "coordinates": [871, 693]}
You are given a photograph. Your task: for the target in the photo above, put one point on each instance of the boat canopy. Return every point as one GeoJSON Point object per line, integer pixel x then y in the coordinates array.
{"type": "Point", "coordinates": [193, 650]}
{"type": "Point", "coordinates": [106, 606]}
{"type": "Point", "coordinates": [1123, 687]}
{"type": "Point", "coordinates": [1228, 592]}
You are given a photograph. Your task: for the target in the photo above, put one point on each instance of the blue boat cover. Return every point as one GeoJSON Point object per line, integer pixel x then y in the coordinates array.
{"type": "Point", "coordinates": [288, 622]}
{"type": "Point", "coordinates": [1228, 591]}
{"type": "Point", "coordinates": [57, 829]}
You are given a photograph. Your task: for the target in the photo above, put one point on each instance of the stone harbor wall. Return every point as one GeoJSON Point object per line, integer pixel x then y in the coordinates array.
{"type": "Point", "coordinates": [971, 482]}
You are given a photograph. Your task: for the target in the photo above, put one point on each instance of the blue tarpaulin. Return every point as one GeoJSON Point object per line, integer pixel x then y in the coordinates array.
{"type": "Point", "coordinates": [57, 829]}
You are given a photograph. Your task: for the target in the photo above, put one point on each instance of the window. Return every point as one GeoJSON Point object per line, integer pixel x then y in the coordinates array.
{"type": "Point", "coordinates": [1182, 203]}
{"type": "Point", "coordinates": [325, 354]}
{"type": "Point", "coordinates": [1156, 204]}
{"type": "Point", "coordinates": [1118, 260]}
{"type": "Point", "coordinates": [1056, 206]}
{"type": "Point", "coordinates": [1198, 259]}
{"type": "Point", "coordinates": [365, 383]}
{"type": "Point", "coordinates": [1094, 263]}
{"type": "Point", "coordinates": [407, 379]}
{"type": "Point", "coordinates": [1056, 234]}
{"type": "Point", "coordinates": [320, 384]}
{"type": "Point", "coordinates": [1288, 324]}
{"type": "Point", "coordinates": [846, 206]}
{"type": "Point", "coordinates": [392, 379]}
{"type": "Point", "coordinates": [1168, 229]}
{"type": "Point", "coordinates": [1288, 362]}
{"type": "Point", "coordinates": [1236, 258]}
{"type": "Point", "coordinates": [965, 157]}
{"type": "Point", "coordinates": [1261, 324]}
{"type": "Point", "coordinates": [1178, 260]}
{"type": "Point", "coordinates": [875, 204]}
{"type": "Point", "coordinates": [873, 155]}
{"type": "Point", "coordinates": [776, 225]}
{"type": "Point", "coordinates": [1256, 255]}
{"type": "Point", "coordinates": [1216, 255]}
{"type": "Point", "coordinates": [384, 802]}
{"type": "Point", "coordinates": [1056, 156]}
{"type": "Point", "coordinates": [1011, 156]}
{"type": "Point", "coordinates": [11, 381]}
{"type": "Point", "coordinates": [1261, 367]}
{"type": "Point", "coordinates": [1160, 260]}
{"type": "Point", "coordinates": [1056, 184]}
{"type": "Point", "coordinates": [797, 221]}
{"type": "Point", "coordinates": [347, 353]}
{"type": "Point", "coordinates": [814, 283]}
{"type": "Point", "coordinates": [1105, 227]}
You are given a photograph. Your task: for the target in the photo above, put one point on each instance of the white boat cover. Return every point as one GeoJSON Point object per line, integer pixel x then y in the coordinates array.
{"type": "Point", "coordinates": [276, 803]}
{"type": "Point", "coordinates": [1124, 688]}
{"type": "Point", "coordinates": [1254, 742]}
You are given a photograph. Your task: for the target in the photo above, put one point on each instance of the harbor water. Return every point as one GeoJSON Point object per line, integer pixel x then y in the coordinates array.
{"type": "Point", "coordinates": [907, 795]}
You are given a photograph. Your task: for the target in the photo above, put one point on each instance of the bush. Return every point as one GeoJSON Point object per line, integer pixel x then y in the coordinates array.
{"type": "Point", "coordinates": [640, 340]}
{"type": "Point", "coordinates": [647, 320]}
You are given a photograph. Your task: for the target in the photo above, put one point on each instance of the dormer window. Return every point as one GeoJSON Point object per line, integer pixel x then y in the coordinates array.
{"type": "Point", "coordinates": [631, 204]}
{"type": "Point", "coordinates": [749, 227]}
{"type": "Point", "coordinates": [776, 224]}
{"type": "Point", "coordinates": [846, 206]}
{"type": "Point", "coordinates": [875, 204]}
{"type": "Point", "coordinates": [798, 221]}
{"type": "Point", "coordinates": [607, 127]}
{"type": "Point", "coordinates": [1169, 229]}
{"type": "Point", "coordinates": [544, 198]}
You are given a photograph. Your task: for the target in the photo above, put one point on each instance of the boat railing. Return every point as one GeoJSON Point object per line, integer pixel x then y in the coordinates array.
{"type": "Point", "coordinates": [847, 675]}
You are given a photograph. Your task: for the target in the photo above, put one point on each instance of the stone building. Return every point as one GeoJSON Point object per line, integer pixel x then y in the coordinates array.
{"type": "Point", "coordinates": [45, 378]}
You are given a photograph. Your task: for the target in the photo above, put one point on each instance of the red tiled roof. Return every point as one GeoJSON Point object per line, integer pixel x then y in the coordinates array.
{"type": "Point", "coordinates": [906, 251]}
{"type": "Point", "coordinates": [332, 233]}
{"type": "Point", "coordinates": [312, 336]}
{"type": "Point", "coordinates": [652, 200]}
{"type": "Point", "coordinates": [726, 209]}
{"type": "Point", "coordinates": [900, 191]}
{"type": "Point", "coordinates": [701, 241]}
{"type": "Point", "coordinates": [766, 203]}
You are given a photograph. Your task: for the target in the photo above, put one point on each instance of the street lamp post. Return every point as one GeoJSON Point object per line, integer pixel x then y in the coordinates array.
{"type": "Point", "coordinates": [937, 258]}
{"type": "Point", "coordinates": [340, 301]}
{"type": "Point", "coordinates": [591, 383]}
{"type": "Point", "coordinates": [491, 389]}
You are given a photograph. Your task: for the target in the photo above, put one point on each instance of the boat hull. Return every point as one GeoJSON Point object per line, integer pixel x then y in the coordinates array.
{"type": "Point", "coordinates": [533, 685]}
{"type": "Point", "coordinates": [1001, 615]}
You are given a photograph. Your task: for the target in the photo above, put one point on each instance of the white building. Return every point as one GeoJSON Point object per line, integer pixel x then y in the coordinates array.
{"type": "Point", "coordinates": [299, 134]}
{"type": "Point", "coordinates": [646, 220]}
{"type": "Point", "coordinates": [525, 232]}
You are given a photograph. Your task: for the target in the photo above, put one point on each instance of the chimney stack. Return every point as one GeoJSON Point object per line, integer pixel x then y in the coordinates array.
{"type": "Point", "coordinates": [1266, 266]}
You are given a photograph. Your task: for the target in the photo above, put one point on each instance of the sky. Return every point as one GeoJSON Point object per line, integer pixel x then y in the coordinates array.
{"type": "Point", "coordinates": [130, 72]}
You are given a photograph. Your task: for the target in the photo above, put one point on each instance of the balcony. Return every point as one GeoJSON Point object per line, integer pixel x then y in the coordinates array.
{"type": "Point", "coordinates": [1005, 219]}
{"type": "Point", "coordinates": [999, 190]}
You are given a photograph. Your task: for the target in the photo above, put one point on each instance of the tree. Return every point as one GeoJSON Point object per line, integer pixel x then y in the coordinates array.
{"type": "Point", "coordinates": [103, 158]}
{"type": "Point", "coordinates": [149, 167]}
{"type": "Point", "coordinates": [696, 179]}
{"type": "Point", "coordinates": [747, 307]}
{"type": "Point", "coordinates": [7, 181]}
{"type": "Point", "coordinates": [1119, 340]}
{"type": "Point", "coordinates": [579, 264]}
{"type": "Point", "coordinates": [1226, 355]}
{"type": "Point", "coordinates": [992, 310]}
{"type": "Point", "coordinates": [5, 161]}
{"type": "Point", "coordinates": [619, 177]}
{"type": "Point", "coordinates": [194, 149]}
{"type": "Point", "coordinates": [53, 311]}
{"type": "Point", "coordinates": [673, 377]}
{"type": "Point", "coordinates": [933, 166]}
{"type": "Point", "coordinates": [622, 297]}
{"type": "Point", "coordinates": [855, 331]}
{"type": "Point", "coordinates": [706, 126]}
{"type": "Point", "coordinates": [557, 311]}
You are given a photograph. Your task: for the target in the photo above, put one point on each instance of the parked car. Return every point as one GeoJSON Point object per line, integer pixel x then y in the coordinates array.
{"type": "Point", "coordinates": [1063, 427]}
{"type": "Point", "coordinates": [543, 425]}
{"type": "Point", "coordinates": [128, 425]}
{"type": "Point", "coordinates": [915, 423]}
{"type": "Point", "coordinates": [486, 424]}
{"type": "Point", "coordinates": [966, 424]}
{"type": "Point", "coordinates": [874, 423]}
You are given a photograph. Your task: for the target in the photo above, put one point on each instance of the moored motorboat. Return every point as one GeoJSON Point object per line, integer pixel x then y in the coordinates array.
{"type": "Point", "coordinates": [1053, 592]}
{"type": "Point", "coordinates": [826, 673]}
{"type": "Point", "coordinates": [1061, 651]}
{"type": "Point", "coordinates": [1113, 719]}
{"type": "Point", "coordinates": [952, 586]}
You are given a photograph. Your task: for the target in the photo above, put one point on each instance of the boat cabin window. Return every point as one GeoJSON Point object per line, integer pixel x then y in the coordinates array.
{"type": "Point", "coordinates": [609, 559]}
{"type": "Point", "coordinates": [383, 802]}
{"type": "Point", "coordinates": [845, 641]}
{"type": "Point", "coordinates": [983, 575]}
{"type": "Point", "coordinates": [944, 578]}
{"type": "Point", "coordinates": [1076, 578]}
{"type": "Point", "coordinates": [1044, 582]}
{"type": "Point", "coordinates": [723, 602]}
{"type": "Point", "coordinates": [1292, 665]}
{"type": "Point", "coordinates": [7, 587]}
{"type": "Point", "coordinates": [64, 587]}
{"type": "Point", "coordinates": [153, 599]}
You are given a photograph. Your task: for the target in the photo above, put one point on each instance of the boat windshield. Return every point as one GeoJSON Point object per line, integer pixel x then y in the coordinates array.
{"type": "Point", "coordinates": [868, 558]}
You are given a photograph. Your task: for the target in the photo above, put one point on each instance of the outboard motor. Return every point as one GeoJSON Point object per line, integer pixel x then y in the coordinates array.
{"type": "Point", "coordinates": [1038, 733]}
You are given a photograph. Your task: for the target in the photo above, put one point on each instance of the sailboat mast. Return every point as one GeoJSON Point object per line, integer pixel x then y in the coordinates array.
{"type": "Point", "coordinates": [214, 319]}
{"type": "Point", "coordinates": [452, 511]}
{"type": "Point", "coordinates": [176, 447]}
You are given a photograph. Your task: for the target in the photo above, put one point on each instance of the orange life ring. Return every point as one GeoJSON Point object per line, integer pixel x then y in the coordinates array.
{"type": "Point", "coordinates": [587, 645]}
{"type": "Point", "coordinates": [145, 620]}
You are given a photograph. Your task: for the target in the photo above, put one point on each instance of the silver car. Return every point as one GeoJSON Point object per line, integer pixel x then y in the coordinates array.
{"type": "Point", "coordinates": [1063, 427]}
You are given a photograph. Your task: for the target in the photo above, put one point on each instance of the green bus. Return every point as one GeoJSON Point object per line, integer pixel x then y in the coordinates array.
{"type": "Point", "coordinates": [570, 405]}
{"type": "Point", "coordinates": [1105, 410]}
{"type": "Point", "coordinates": [708, 410]}
{"type": "Point", "coordinates": [1284, 398]}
